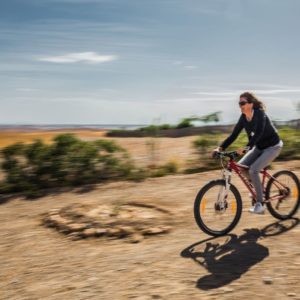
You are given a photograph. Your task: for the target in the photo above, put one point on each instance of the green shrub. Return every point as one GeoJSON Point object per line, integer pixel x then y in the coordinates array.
{"type": "Point", "coordinates": [166, 126]}
{"type": "Point", "coordinates": [170, 167]}
{"type": "Point", "coordinates": [291, 143]}
{"type": "Point", "coordinates": [204, 144]}
{"type": "Point", "coordinates": [184, 123]}
{"type": "Point", "coordinates": [138, 174]}
{"type": "Point", "coordinates": [68, 161]}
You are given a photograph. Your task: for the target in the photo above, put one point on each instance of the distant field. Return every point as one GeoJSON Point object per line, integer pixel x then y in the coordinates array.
{"type": "Point", "coordinates": [8, 137]}
{"type": "Point", "coordinates": [166, 149]}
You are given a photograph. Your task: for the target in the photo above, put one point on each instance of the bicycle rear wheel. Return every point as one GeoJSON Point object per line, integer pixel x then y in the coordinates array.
{"type": "Point", "coordinates": [283, 183]}
{"type": "Point", "coordinates": [214, 214]}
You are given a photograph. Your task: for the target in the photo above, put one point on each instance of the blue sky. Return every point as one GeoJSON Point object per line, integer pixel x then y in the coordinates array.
{"type": "Point", "coordinates": [145, 61]}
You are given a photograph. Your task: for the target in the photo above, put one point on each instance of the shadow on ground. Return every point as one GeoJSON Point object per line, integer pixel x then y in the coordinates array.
{"type": "Point", "coordinates": [228, 258]}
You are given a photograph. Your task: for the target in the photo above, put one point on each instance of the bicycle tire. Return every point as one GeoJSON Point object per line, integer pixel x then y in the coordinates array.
{"type": "Point", "coordinates": [273, 212]}
{"type": "Point", "coordinates": [197, 203]}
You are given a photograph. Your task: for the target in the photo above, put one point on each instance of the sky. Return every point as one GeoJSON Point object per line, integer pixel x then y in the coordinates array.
{"type": "Point", "coordinates": [146, 61]}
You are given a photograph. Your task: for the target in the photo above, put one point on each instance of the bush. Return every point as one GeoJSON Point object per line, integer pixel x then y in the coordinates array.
{"type": "Point", "coordinates": [184, 123]}
{"type": "Point", "coordinates": [291, 143]}
{"type": "Point", "coordinates": [166, 126]}
{"type": "Point", "coordinates": [206, 143]}
{"type": "Point", "coordinates": [170, 167]}
{"type": "Point", "coordinates": [68, 161]}
{"type": "Point", "coordinates": [138, 174]}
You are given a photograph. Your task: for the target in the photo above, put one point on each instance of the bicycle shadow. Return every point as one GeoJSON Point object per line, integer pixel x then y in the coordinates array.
{"type": "Point", "coordinates": [229, 261]}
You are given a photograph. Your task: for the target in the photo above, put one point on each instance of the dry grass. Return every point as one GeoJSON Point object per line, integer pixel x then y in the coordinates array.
{"type": "Point", "coordinates": [165, 149]}
{"type": "Point", "coordinates": [8, 137]}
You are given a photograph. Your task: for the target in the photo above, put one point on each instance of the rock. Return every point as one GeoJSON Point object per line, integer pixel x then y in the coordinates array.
{"type": "Point", "coordinates": [291, 294]}
{"type": "Point", "coordinates": [166, 228]}
{"type": "Point", "coordinates": [267, 280]}
{"type": "Point", "coordinates": [89, 232]}
{"type": "Point", "coordinates": [115, 221]}
{"type": "Point", "coordinates": [75, 236]}
{"type": "Point", "coordinates": [77, 227]}
{"type": "Point", "coordinates": [57, 221]}
{"type": "Point", "coordinates": [152, 230]}
{"type": "Point", "coordinates": [126, 230]}
{"type": "Point", "coordinates": [124, 215]}
{"type": "Point", "coordinates": [100, 231]}
{"type": "Point", "coordinates": [227, 290]}
{"type": "Point", "coordinates": [115, 232]}
{"type": "Point", "coordinates": [54, 211]}
{"type": "Point", "coordinates": [136, 238]}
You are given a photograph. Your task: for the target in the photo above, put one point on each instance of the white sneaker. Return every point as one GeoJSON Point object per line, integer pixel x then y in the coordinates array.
{"type": "Point", "coordinates": [257, 208]}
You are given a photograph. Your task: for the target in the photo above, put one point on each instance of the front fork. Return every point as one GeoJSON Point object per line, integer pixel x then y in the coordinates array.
{"type": "Point", "coordinates": [227, 177]}
{"type": "Point", "coordinates": [222, 203]}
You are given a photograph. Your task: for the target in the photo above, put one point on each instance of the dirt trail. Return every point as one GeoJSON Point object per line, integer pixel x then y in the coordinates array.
{"type": "Point", "coordinates": [261, 258]}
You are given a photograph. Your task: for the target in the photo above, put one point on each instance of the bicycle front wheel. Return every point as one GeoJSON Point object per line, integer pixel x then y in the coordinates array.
{"type": "Point", "coordinates": [214, 213]}
{"type": "Point", "coordinates": [283, 194]}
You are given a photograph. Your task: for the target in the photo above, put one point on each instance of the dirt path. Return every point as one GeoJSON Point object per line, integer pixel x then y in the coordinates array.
{"type": "Point", "coordinates": [261, 258]}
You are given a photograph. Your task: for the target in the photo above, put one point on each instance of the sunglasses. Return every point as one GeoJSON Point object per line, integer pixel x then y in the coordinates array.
{"type": "Point", "coordinates": [242, 103]}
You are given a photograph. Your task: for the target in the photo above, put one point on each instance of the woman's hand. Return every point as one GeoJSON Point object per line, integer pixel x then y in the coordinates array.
{"type": "Point", "coordinates": [240, 151]}
{"type": "Point", "coordinates": [218, 149]}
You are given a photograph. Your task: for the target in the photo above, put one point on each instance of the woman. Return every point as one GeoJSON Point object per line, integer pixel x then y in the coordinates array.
{"type": "Point", "coordinates": [264, 142]}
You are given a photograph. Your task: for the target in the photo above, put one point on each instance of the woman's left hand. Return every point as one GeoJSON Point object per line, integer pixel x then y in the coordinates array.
{"type": "Point", "coordinates": [240, 151]}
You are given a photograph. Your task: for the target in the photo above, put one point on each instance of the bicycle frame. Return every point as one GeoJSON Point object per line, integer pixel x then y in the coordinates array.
{"type": "Point", "coordinates": [233, 166]}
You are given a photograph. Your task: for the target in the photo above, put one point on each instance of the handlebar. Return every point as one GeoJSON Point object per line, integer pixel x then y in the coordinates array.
{"type": "Point", "coordinates": [230, 154]}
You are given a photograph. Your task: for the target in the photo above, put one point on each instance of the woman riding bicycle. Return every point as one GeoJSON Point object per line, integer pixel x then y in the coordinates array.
{"type": "Point", "coordinates": [264, 142]}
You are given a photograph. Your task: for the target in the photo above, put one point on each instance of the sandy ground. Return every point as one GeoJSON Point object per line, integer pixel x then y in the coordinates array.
{"type": "Point", "coordinates": [260, 259]}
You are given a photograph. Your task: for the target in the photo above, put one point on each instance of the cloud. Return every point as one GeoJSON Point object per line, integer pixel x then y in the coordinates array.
{"type": "Point", "coordinates": [177, 62]}
{"type": "Point", "coordinates": [215, 93]}
{"type": "Point", "coordinates": [180, 62]}
{"type": "Point", "coordinates": [256, 91]}
{"type": "Point", "coordinates": [87, 57]}
{"type": "Point", "coordinates": [26, 90]}
{"type": "Point", "coordinates": [190, 67]}
{"type": "Point", "coordinates": [277, 91]}
{"type": "Point", "coordinates": [76, 1]}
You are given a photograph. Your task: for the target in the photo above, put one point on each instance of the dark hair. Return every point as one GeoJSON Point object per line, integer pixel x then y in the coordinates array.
{"type": "Point", "coordinates": [251, 98]}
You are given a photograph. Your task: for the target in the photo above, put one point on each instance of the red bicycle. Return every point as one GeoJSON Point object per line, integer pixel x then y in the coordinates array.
{"type": "Point", "coordinates": [218, 204]}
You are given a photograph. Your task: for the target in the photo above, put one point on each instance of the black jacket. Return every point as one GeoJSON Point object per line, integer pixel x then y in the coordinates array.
{"type": "Point", "coordinates": [260, 130]}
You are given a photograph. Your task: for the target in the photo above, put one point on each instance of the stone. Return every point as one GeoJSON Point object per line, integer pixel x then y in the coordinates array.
{"type": "Point", "coordinates": [100, 231]}
{"type": "Point", "coordinates": [56, 221]}
{"type": "Point", "coordinates": [75, 236]}
{"type": "Point", "coordinates": [136, 238]}
{"type": "Point", "coordinates": [54, 211]}
{"type": "Point", "coordinates": [152, 230]}
{"type": "Point", "coordinates": [227, 290]}
{"type": "Point", "coordinates": [89, 232]}
{"type": "Point", "coordinates": [112, 221]}
{"type": "Point", "coordinates": [267, 280]}
{"type": "Point", "coordinates": [115, 232]}
{"type": "Point", "coordinates": [126, 230]}
{"type": "Point", "coordinates": [76, 227]}
{"type": "Point", "coordinates": [291, 294]}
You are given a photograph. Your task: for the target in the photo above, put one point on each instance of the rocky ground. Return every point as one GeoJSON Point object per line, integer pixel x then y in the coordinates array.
{"type": "Point", "coordinates": [259, 259]}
